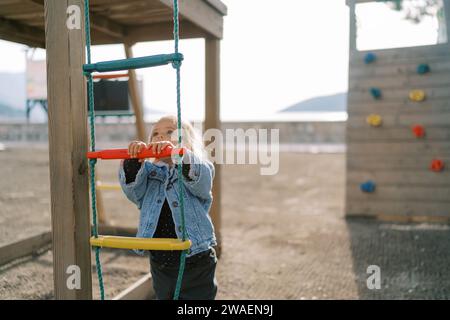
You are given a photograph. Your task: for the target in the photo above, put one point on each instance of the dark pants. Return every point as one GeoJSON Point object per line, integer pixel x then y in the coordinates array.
{"type": "Point", "coordinates": [198, 283]}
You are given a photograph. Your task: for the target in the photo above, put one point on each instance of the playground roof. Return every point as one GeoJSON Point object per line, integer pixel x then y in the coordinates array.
{"type": "Point", "coordinates": [117, 21]}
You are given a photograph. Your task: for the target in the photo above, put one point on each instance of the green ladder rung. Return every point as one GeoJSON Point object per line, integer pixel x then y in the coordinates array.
{"type": "Point", "coordinates": [133, 63]}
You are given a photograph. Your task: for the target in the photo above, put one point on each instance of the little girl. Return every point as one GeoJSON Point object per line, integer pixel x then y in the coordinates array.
{"type": "Point", "coordinates": [153, 187]}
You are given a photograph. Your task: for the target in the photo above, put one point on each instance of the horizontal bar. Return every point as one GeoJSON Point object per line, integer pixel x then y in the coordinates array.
{"type": "Point", "coordinates": [133, 243]}
{"type": "Point", "coordinates": [133, 63]}
{"type": "Point", "coordinates": [117, 154]}
{"type": "Point", "coordinates": [108, 186]}
{"type": "Point", "coordinates": [111, 76]}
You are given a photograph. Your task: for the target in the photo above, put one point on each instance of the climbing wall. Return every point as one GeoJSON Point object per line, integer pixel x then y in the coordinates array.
{"type": "Point", "coordinates": [398, 132]}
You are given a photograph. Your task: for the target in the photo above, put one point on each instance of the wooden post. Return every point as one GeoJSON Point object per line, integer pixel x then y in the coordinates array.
{"type": "Point", "coordinates": [68, 144]}
{"type": "Point", "coordinates": [135, 98]}
{"type": "Point", "coordinates": [353, 28]}
{"type": "Point", "coordinates": [212, 120]}
{"type": "Point", "coordinates": [447, 18]}
{"type": "Point", "coordinates": [102, 218]}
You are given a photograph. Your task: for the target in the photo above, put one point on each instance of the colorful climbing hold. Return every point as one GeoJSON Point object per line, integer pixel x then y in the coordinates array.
{"type": "Point", "coordinates": [374, 120]}
{"type": "Point", "coordinates": [437, 165]}
{"type": "Point", "coordinates": [375, 92]}
{"type": "Point", "coordinates": [417, 95]}
{"type": "Point", "coordinates": [423, 68]}
{"type": "Point", "coordinates": [418, 130]}
{"type": "Point", "coordinates": [368, 186]}
{"type": "Point", "coordinates": [370, 57]}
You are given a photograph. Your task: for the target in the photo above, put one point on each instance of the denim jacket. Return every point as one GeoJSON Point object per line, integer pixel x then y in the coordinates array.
{"type": "Point", "coordinates": [157, 181]}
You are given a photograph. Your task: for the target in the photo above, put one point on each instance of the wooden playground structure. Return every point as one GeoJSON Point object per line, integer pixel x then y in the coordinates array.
{"type": "Point", "coordinates": [42, 24]}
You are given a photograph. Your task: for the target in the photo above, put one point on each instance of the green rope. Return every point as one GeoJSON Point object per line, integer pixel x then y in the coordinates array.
{"type": "Point", "coordinates": [93, 162]}
{"type": "Point", "coordinates": [177, 66]}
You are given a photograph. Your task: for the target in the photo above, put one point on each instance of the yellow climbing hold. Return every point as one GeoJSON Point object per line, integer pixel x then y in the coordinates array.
{"type": "Point", "coordinates": [374, 120]}
{"type": "Point", "coordinates": [417, 95]}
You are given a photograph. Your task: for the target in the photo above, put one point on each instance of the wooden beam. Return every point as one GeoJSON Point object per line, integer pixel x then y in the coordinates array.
{"type": "Point", "coordinates": [163, 31]}
{"type": "Point", "coordinates": [138, 108]}
{"type": "Point", "coordinates": [16, 32]}
{"type": "Point", "coordinates": [68, 144]}
{"type": "Point", "coordinates": [218, 5]}
{"type": "Point", "coordinates": [100, 24]}
{"type": "Point", "coordinates": [108, 27]}
{"type": "Point", "coordinates": [200, 14]}
{"type": "Point", "coordinates": [212, 121]}
{"type": "Point", "coordinates": [24, 247]}
{"type": "Point", "coordinates": [140, 290]}
{"type": "Point", "coordinates": [117, 230]}
{"type": "Point", "coordinates": [447, 18]}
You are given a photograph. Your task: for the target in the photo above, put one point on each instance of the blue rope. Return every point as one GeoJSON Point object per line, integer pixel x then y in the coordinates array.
{"type": "Point", "coordinates": [177, 66]}
{"type": "Point", "coordinates": [93, 162]}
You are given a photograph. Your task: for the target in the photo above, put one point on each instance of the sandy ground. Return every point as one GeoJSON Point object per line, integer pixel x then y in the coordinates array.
{"type": "Point", "coordinates": [284, 236]}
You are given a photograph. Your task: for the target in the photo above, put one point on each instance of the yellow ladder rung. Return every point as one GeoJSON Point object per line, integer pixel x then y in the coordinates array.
{"type": "Point", "coordinates": [108, 186]}
{"type": "Point", "coordinates": [133, 243]}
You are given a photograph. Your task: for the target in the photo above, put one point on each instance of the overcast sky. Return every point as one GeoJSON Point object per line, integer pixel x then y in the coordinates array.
{"type": "Point", "coordinates": [272, 57]}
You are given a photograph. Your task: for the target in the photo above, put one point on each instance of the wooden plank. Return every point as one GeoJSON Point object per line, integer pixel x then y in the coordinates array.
{"type": "Point", "coordinates": [68, 144]}
{"type": "Point", "coordinates": [162, 31]}
{"type": "Point", "coordinates": [435, 106]}
{"type": "Point", "coordinates": [200, 14]}
{"type": "Point", "coordinates": [136, 102]}
{"type": "Point", "coordinates": [381, 71]}
{"type": "Point", "coordinates": [107, 26]}
{"type": "Point", "coordinates": [218, 5]}
{"type": "Point", "coordinates": [99, 24]}
{"type": "Point", "coordinates": [398, 208]}
{"type": "Point", "coordinates": [367, 163]}
{"type": "Point", "coordinates": [16, 32]}
{"type": "Point", "coordinates": [26, 247]}
{"type": "Point", "coordinates": [397, 95]}
{"type": "Point", "coordinates": [435, 80]}
{"type": "Point", "coordinates": [392, 120]}
{"type": "Point", "coordinates": [400, 178]}
{"type": "Point", "coordinates": [400, 193]}
{"type": "Point", "coordinates": [429, 53]}
{"type": "Point", "coordinates": [140, 290]}
{"type": "Point", "coordinates": [212, 121]}
{"type": "Point", "coordinates": [111, 230]}
{"type": "Point", "coordinates": [412, 148]}
{"type": "Point", "coordinates": [396, 134]}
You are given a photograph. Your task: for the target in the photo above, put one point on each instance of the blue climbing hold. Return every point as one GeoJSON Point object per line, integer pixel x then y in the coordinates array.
{"type": "Point", "coordinates": [368, 186]}
{"type": "Point", "coordinates": [375, 92]}
{"type": "Point", "coordinates": [423, 68]}
{"type": "Point", "coordinates": [370, 57]}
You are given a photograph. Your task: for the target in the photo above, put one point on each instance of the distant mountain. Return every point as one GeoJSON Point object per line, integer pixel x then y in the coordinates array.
{"type": "Point", "coordinates": [331, 103]}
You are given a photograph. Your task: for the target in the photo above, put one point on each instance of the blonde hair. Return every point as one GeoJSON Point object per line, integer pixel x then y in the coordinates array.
{"type": "Point", "coordinates": [191, 139]}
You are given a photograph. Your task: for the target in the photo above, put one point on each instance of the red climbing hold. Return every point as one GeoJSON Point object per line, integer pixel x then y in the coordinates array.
{"type": "Point", "coordinates": [419, 131]}
{"type": "Point", "coordinates": [437, 165]}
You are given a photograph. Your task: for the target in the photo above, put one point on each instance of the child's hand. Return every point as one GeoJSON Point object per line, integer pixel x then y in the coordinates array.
{"type": "Point", "coordinates": [135, 147]}
{"type": "Point", "coordinates": [157, 147]}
